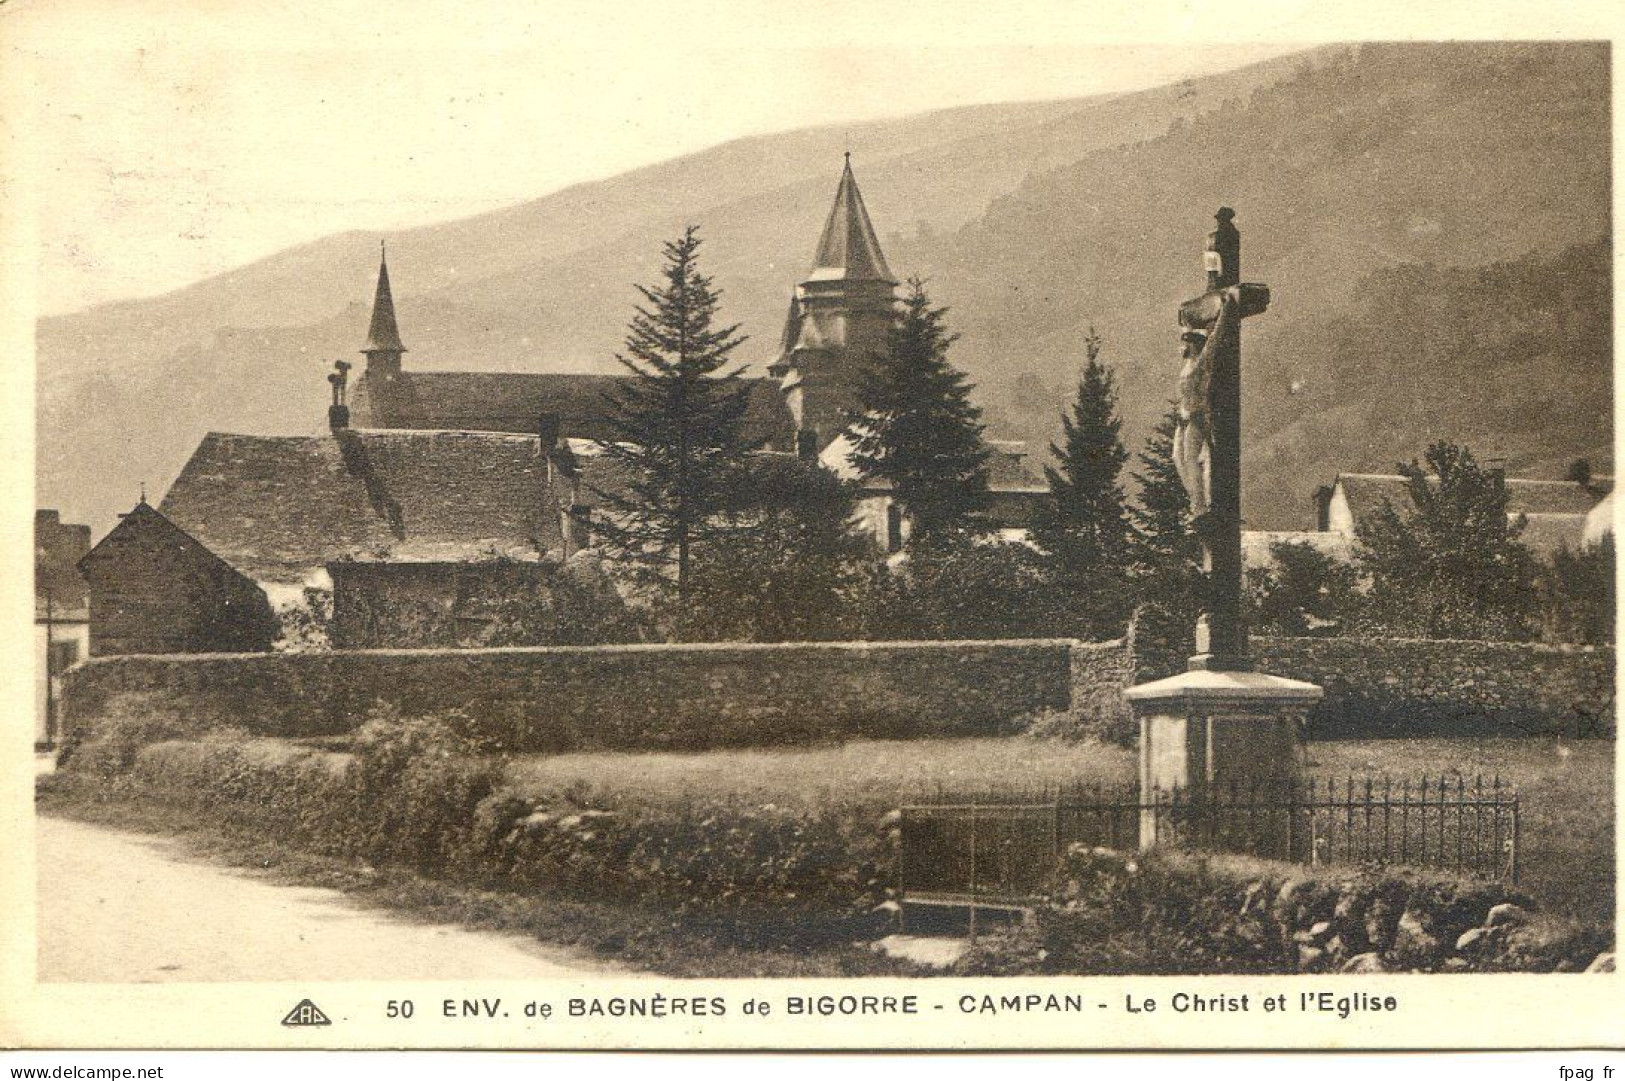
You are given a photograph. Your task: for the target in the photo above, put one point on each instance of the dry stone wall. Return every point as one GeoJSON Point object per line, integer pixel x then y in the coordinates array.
{"type": "Point", "coordinates": [608, 697]}
{"type": "Point", "coordinates": [1400, 687]}
{"type": "Point", "coordinates": [695, 697]}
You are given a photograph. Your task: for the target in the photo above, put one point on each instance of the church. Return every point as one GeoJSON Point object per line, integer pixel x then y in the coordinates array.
{"type": "Point", "coordinates": [428, 483]}
{"type": "Point", "coordinates": [837, 319]}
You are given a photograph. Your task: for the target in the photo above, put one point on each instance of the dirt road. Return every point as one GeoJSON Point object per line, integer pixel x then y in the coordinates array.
{"type": "Point", "coordinates": [132, 908]}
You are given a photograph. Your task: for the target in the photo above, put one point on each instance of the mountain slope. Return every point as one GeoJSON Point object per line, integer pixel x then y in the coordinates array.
{"type": "Point", "coordinates": [1033, 221]}
{"type": "Point", "coordinates": [1445, 155]}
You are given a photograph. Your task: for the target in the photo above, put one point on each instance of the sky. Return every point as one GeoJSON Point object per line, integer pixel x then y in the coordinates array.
{"type": "Point", "coordinates": [145, 144]}
{"type": "Point", "coordinates": [164, 143]}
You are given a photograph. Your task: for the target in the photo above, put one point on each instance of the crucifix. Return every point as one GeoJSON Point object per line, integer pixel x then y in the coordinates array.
{"type": "Point", "coordinates": [1207, 443]}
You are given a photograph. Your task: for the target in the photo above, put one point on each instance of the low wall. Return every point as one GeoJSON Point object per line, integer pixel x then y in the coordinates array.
{"type": "Point", "coordinates": [700, 696]}
{"type": "Point", "coordinates": [615, 697]}
{"type": "Point", "coordinates": [1378, 688]}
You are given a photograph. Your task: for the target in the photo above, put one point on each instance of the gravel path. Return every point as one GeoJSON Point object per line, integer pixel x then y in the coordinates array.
{"type": "Point", "coordinates": [118, 907]}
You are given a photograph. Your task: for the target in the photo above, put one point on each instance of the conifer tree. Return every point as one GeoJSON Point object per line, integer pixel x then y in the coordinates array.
{"type": "Point", "coordinates": [1162, 535]}
{"type": "Point", "coordinates": [915, 425]}
{"type": "Point", "coordinates": [677, 424]}
{"type": "Point", "coordinates": [1083, 525]}
{"type": "Point", "coordinates": [1167, 563]}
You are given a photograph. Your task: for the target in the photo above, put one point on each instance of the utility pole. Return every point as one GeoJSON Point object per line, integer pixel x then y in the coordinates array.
{"type": "Point", "coordinates": [50, 670]}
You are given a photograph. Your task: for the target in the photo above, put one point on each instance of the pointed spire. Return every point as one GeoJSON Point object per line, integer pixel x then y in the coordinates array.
{"type": "Point", "coordinates": [848, 249]}
{"type": "Point", "coordinates": [383, 336]}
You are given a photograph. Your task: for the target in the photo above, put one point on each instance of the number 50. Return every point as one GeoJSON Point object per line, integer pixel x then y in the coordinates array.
{"type": "Point", "coordinates": [403, 1008]}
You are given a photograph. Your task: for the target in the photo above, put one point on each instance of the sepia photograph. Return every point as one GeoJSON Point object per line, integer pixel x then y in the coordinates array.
{"type": "Point", "coordinates": [958, 534]}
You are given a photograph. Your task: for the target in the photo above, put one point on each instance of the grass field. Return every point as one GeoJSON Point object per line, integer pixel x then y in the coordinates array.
{"type": "Point", "coordinates": [879, 771]}
{"type": "Point", "coordinates": [1567, 803]}
{"type": "Point", "coordinates": [1567, 789]}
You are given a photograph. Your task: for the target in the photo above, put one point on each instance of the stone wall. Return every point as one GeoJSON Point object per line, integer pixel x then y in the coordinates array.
{"type": "Point", "coordinates": [699, 696]}
{"type": "Point", "coordinates": [1377, 688]}
{"type": "Point", "coordinates": [616, 697]}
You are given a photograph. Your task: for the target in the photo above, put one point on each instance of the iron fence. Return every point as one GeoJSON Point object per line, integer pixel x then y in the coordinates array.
{"type": "Point", "coordinates": [1002, 849]}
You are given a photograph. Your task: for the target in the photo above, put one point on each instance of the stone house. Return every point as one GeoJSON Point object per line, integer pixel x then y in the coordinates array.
{"type": "Point", "coordinates": [472, 602]}
{"type": "Point", "coordinates": [411, 513]}
{"type": "Point", "coordinates": [1552, 513]}
{"type": "Point", "coordinates": [61, 613]}
{"type": "Point", "coordinates": [1014, 483]}
{"type": "Point", "coordinates": [155, 588]}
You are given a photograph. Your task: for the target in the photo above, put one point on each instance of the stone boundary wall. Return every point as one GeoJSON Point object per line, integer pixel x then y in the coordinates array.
{"type": "Point", "coordinates": [694, 697]}
{"type": "Point", "coordinates": [643, 697]}
{"type": "Point", "coordinates": [1408, 687]}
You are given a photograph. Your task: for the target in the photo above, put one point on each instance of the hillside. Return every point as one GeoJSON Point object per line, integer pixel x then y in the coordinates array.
{"type": "Point", "coordinates": [1032, 221]}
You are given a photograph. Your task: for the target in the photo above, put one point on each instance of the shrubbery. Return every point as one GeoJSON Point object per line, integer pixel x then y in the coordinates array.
{"type": "Point", "coordinates": [1172, 913]}
{"type": "Point", "coordinates": [426, 795]}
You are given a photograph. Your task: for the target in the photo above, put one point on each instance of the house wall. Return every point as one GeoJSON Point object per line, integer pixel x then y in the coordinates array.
{"type": "Point", "coordinates": [155, 590]}
{"type": "Point", "coordinates": [72, 640]}
{"type": "Point", "coordinates": [1339, 518]}
{"type": "Point", "coordinates": [471, 605]}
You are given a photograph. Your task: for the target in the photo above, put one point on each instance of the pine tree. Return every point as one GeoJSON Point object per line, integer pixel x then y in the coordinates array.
{"type": "Point", "coordinates": [1449, 564]}
{"type": "Point", "coordinates": [800, 573]}
{"type": "Point", "coordinates": [1083, 525]}
{"type": "Point", "coordinates": [677, 424]}
{"type": "Point", "coordinates": [1167, 563]}
{"type": "Point", "coordinates": [915, 425]}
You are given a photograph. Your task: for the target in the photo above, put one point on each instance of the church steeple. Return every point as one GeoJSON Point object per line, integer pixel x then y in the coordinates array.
{"type": "Point", "coordinates": [848, 250]}
{"type": "Point", "coordinates": [838, 318]}
{"type": "Point", "coordinates": [383, 349]}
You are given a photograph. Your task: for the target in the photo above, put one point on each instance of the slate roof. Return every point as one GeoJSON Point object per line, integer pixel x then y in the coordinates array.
{"type": "Point", "coordinates": [515, 402]}
{"type": "Point", "coordinates": [277, 507]}
{"type": "Point", "coordinates": [383, 336]}
{"type": "Point", "coordinates": [58, 547]}
{"type": "Point", "coordinates": [1365, 493]}
{"type": "Point", "coordinates": [1010, 469]}
{"type": "Point", "coordinates": [848, 249]}
{"type": "Point", "coordinates": [1257, 545]}
{"type": "Point", "coordinates": [1546, 533]}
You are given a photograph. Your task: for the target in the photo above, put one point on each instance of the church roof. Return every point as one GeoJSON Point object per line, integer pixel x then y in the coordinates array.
{"type": "Point", "coordinates": [277, 507]}
{"type": "Point", "coordinates": [383, 336]}
{"type": "Point", "coordinates": [848, 249]}
{"type": "Point", "coordinates": [515, 402]}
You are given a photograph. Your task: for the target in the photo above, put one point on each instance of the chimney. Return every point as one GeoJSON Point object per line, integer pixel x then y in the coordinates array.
{"type": "Point", "coordinates": [1496, 467]}
{"type": "Point", "coordinates": [547, 432]}
{"type": "Point", "coordinates": [1323, 508]}
{"type": "Point", "coordinates": [338, 414]}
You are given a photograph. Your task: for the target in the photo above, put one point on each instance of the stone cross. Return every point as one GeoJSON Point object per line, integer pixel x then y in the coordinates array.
{"type": "Point", "coordinates": [1221, 637]}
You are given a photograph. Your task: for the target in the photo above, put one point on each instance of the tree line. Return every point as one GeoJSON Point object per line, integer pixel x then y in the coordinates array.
{"type": "Point", "coordinates": [718, 541]}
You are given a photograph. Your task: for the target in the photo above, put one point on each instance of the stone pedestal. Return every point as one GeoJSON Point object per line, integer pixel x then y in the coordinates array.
{"type": "Point", "coordinates": [1204, 731]}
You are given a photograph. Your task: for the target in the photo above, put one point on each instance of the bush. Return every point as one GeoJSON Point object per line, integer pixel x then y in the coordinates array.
{"type": "Point", "coordinates": [423, 794]}
{"type": "Point", "coordinates": [418, 783]}
{"type": "Point", "coordinates": [111, 748]}
{"type": "Point", "coordinates": [1175, 913]}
